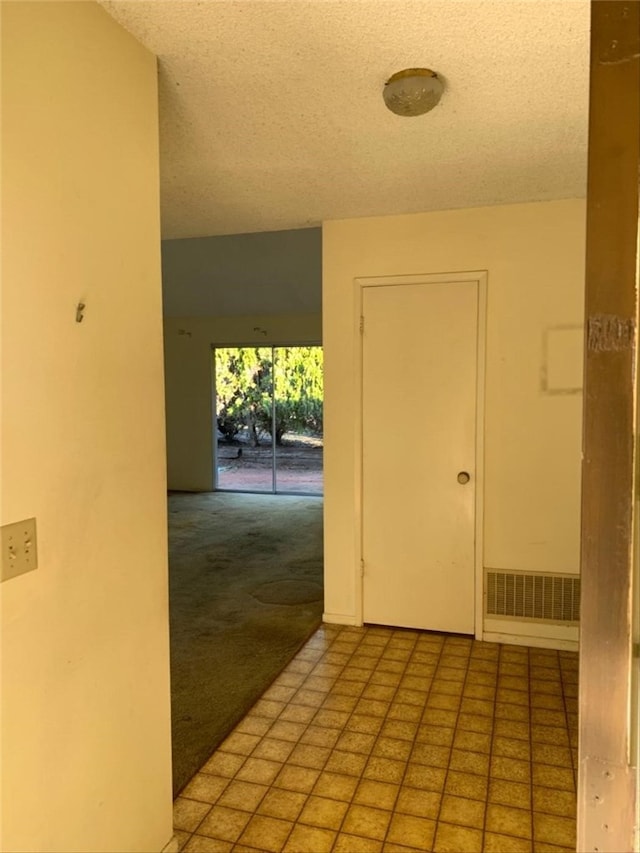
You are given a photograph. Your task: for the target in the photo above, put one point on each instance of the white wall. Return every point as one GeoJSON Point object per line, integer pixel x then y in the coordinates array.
{"type": "Point", "coordinates": [188, 377]}
{"type": "Point", "coordinates": [534, 255]}
{"type": "Point", "coordinates": [86, 751]}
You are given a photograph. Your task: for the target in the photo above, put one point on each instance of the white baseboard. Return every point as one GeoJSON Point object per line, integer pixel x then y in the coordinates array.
{"type": "Point", "coordinates": [541, 636]}
{"type": "Point", "coordinates": [340, 619]}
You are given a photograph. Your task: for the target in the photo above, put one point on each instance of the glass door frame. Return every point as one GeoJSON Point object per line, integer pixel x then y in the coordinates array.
{"type": "Point", "coordinates": [214, 408]}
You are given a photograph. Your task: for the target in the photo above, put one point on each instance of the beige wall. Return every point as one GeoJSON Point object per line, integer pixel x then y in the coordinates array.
{"type": "Point", "coordinates": [188, 377]}
{"type": "Point", "coordinates": [534, 255]}
{"type": "Point", "coordinates": [86, 760]}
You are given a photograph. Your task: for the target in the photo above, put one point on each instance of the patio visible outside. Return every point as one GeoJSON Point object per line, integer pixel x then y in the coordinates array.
{"type": "Point", "coordinates": [262, 394]}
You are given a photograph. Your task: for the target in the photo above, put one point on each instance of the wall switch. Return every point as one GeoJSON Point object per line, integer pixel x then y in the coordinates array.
{"type": "Point", "coordinates": [19, 550]}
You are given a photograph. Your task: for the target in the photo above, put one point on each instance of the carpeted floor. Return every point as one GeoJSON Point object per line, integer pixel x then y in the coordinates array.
{"type": "Point", "coordinates": [245, 586]}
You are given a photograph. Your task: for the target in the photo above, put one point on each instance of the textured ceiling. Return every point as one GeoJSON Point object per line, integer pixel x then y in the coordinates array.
{"type": "Point", "coordinates": [272, 115]}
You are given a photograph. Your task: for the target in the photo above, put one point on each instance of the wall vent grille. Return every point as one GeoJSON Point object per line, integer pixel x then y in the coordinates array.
{"type": "Point", "coordinates": [552, 598]}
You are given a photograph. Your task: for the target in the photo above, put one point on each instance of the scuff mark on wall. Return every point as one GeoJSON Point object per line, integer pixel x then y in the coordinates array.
{"type": "Point", "coordinates": [610, 333]}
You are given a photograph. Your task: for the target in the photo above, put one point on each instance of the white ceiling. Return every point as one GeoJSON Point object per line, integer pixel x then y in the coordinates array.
{"type": "Point", "coordinates": [272, 114]}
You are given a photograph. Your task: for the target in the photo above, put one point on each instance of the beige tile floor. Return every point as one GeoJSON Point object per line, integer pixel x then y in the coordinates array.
{"type": "Point", "coordinates": [375, 739]}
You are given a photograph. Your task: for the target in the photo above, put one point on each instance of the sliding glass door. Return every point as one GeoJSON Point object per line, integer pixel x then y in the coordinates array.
{"type": "Point", "coordinates": [268, 419]}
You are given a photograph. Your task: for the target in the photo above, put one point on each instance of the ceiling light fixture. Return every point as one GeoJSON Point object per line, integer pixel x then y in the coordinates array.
{"type": "Point", "coordinates": [413, 91]}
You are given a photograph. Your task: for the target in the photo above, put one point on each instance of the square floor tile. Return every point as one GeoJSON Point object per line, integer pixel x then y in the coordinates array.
{"type": "Point", "coordinates": [187, 814]}
{"type": "Point", "coordinates": [254, 725]}
{"type": "Point", "coordinates": [462, 812]}
{"type": "Point", "coordinates": [513, 682]}
{"type": "Point", "coordinates": [438, 717]}
{"type": "Point", "coordinates": [356, 742]}
{"type": "Point", "coordinates": [323, 812]}
{"type": "Point", "coordinates": [367, 821]}
{"type": "Point", "coordinates": [223, 764]}
{"type": "Point", "coordinates": [268, 708]}
{"type": "Point", "coordinates": [512, 748]}
{"type": "Point", "coordinates": [512, 729]}
{"type": "Point", "coordinates": [240, 743]}
{"type": "Point", "coordinates": [242, 795]}
{"type": "Point", "coordinates": [296, 778]}
{"type": "Point", "coordinates": [467, 785]}
{"type": "Point", "coordinates": [413, 801]}
{"type": "Point", "coordinates": [308, 755]}
{"type": "Point", "coordinates": [389, 747]}
{"type": "Point", "coordinates": [259, 770]}
{"type": "Point", "coordinates": [286, 730]}
{"type": "Point", "coordinates": [510, 793]}
{"type": "Point", "coordinates": [371, 792]}
{"type": "Point", "coordinates": [469, 762]}
{"type": "Point", "coordinates": [512, 769]}
{"type": "Point", "coordinates": [399, 729]}
{"type": "Point", "coordinates": [409, 713]}
{"type": "Point", "coordinates": [313, 698]}
{"type": "Point", "coordinates": [225, 824]}
{"type": "Point", "coordinates": [426, 753]}
{"type": "Point", "coordinates": [338, 786]}
{"type": "Point", "coordinates": [478, 707]}
{"type": "Point", "coordinates": [554, 801]}
{"type": "Point", "coordinates": [444, 701]}
{"type": "Point", "coordinates": [474, 723]}
{"type": "Point", "coordinates": [282, 804]}
{"type": "Point", "coordinates": [349, 763]}
{"type": "Point", "coordinates": [506, 820]}
{"type": "Point", "coordinates": [319, 736]}
{"type": "Point", "coordinates": [205, 787]}
{"type": "Point", "coordinates": [473, 690]}
{"type": "Point", "coordinates": [273, 749]}
{"type": "Point", "coordinates": [436, 735]}
{"type": "Point", "coordinates": [280, 693]}
{"type": "Point", "coordinates": [411, 697]}
{"type": "Point", "coordinates": [472, 741]}
{"type": "Point", "coordinates": [496, 843]}
{"type": "Point", "coordinates": [546, 753]}
{"type": "Point", "coordinates": [181, 838]}
{"type": "Point", "coordinates": [411, 831]}
{"type": "Point", "coordinates": [384, 769]}
{"type": "Point", "coordinates": [340, 703]}
{"type": "Point", "coordinates": [346, 843]}
{"type": "Point", "coordinates": [364, 723]}
{"type": "Point", "coordinates": [298, 713]}
{"type": "Point", "coordinates": [331, 719]}
{"type": "Point", "coordinates": [450, 673]}
{"type": "Point", "coordinates": [454, 839]}
{"type": "Point", "coordinates": [554, 829]}
{"type": "Point", "coordinates": [543, 717]}
{"type": "Point", "coordinates": [427, 778]}
{"type": "Point", "coordinates": [266, 833]}
{"type": "Point", "coordinates": [509, 711]}
{"type": "Point", "coordinates": [549, 776]}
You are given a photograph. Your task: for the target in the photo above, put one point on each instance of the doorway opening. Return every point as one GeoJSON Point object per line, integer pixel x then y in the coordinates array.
{"type": "Point", "coordinates": [268, 419]}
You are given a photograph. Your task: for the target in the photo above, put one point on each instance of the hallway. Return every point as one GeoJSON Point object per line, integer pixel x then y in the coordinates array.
{"type": "Point", "coordinates": [375, 739]}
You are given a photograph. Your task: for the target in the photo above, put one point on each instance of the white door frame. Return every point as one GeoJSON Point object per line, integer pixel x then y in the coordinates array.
{"type": "Point", "coordinates": [480, 277]}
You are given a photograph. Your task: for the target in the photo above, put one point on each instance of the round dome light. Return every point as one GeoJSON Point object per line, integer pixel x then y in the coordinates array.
{"type": "Point", "coordinates": [412, 92]}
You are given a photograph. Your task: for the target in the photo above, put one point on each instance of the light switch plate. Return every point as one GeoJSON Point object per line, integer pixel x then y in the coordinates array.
{"type": "Point", "coordinates": [19, 548]}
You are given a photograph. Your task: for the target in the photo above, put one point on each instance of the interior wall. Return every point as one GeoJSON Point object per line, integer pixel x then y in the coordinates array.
{"type": "Point", "coordinates": [188, 380]}
{"type": "Point", "coordinates": [534, 255]}
{"type": "Point", "coordinates": [86, 750]}
{"type": "Point", "coordinates": [271, 272]}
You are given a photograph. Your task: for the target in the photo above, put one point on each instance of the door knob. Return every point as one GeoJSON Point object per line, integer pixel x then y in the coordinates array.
{"type": "Point", "coordinates": [463, 478]}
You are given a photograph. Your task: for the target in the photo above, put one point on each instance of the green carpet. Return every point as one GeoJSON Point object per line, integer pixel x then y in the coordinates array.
{"type": "Point", "coordinates": [245, 587]}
